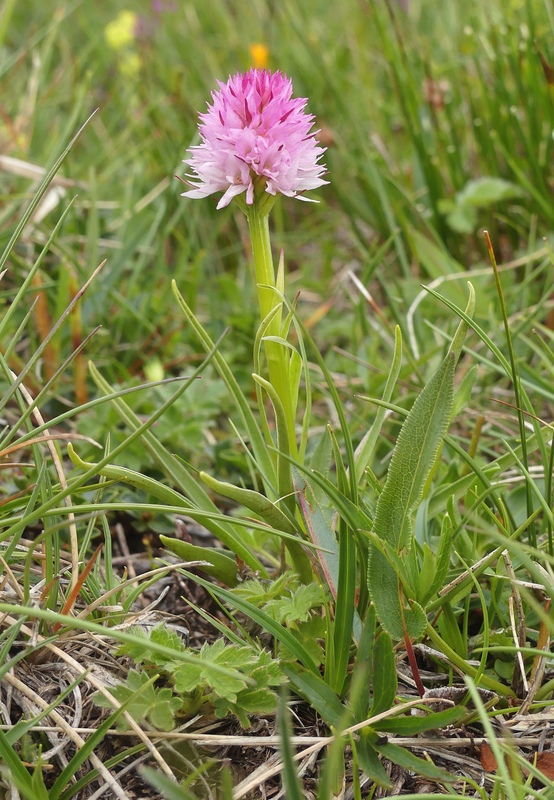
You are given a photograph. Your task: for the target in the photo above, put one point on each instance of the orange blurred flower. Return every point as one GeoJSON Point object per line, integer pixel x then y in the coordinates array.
{"type": "Point", "coordinates": [259, 53]}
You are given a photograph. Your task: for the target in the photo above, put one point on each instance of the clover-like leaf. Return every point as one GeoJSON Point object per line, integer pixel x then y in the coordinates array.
{"type": "Point", "coordinates": [296, 606]}
{"type": "Point", "coordinates": [156, 705]}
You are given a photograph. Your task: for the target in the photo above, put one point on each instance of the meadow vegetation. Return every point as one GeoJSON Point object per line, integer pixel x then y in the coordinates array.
{"type": "Point", "coordinates": [217, 585]}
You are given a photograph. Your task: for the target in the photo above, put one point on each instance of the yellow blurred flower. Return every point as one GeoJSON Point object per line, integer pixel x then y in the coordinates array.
{"type": "Point", "coordinates": [259, 53]}
{"type": "Point", "coordinates": [154, 370]}
{"type": "Point", "coordinates": [120, 32]}
{"type": "Point", "coordinates": [129, 64]}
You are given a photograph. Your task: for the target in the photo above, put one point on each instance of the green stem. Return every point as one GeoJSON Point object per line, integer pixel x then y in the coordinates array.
{"type": "Point", "coordinates": [269, 299]}
{"type": "Point", "coordinates": [278, 360]}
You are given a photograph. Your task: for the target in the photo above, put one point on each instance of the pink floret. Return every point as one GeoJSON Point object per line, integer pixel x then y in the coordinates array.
{"type": "Point", "coordinates": [255, 133]}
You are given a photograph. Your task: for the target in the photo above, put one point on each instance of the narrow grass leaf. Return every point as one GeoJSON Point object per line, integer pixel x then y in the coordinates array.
{"type": "Point", "coordinates": [317, 692]}
{"type": "Point", "coordinates": [385, 682]}
{"type": "Point", "coordinates": [170, 465]}
{"type": "Point", "coordinates": [420, 766]}
{"type": "Point", "coordinates": [17, 771]}
{"type": "Point", "coordinates": [412, 725]}
{"type": "Point", "coordinates": [502, 768]}
{"type": "Point", "coordinates": [347, 439]}
{"type": "Point", "coordinates": [256, 502]}
{"type": "Point", "coordinates": [256, 439]}
{"type": "Point", "coordinates": [93, 740]}
{"type": "Point", "coordinates": [345, 605]}
{"type": "Point", "coordinates": [291, 780]}
{"type": "Point", "coordinates": [364, 451]}
{"type": "Point", "coordinates": [119, 635]}
{"type": "Point", "coordinates": [370, 761]}
{"type": "Point", "coordinates": [429, 587]}
{"type": "Point", "coordinates": [169, 789]}
{"type": "Point", "coordinates": [168, 496]}
{"type": "Point", "coordinates": [40, 192]}
{"type": "Point", "coordinates": [359, 698]}
{"type": "Point", "coordinates": [221, 564]}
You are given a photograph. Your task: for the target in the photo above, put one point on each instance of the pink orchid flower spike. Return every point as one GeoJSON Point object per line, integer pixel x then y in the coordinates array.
{"type": "Point", "coordinates": [256, 139]}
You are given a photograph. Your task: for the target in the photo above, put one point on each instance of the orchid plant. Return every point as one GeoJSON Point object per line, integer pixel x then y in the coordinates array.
{"type": "Point", "coordinates": [257, 144]}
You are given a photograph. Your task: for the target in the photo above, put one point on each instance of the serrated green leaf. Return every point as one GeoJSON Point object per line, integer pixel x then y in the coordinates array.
{"type": "Point", "coordinates": [162, 714]}
{"type": "Point", "coordinates": [258, 701]}
{"type": "Point", "coordinates": [259, 593]}
{"type": "Point", "coordinates": [229, 687]}
{"type": "Point", "coordinates": [161, 635]}
{"type": "Point", "coordinates": [164, 635]}
{"type": "Point", "coordinates": [187, 678]}
{"type": "Point", "coordinates": [136, 651]}
{"type": "Point", "coordinates": [413, 457]}
{"type": "Point", "coordinates": [247, 664]}
{"type": "Point", "coordinates": [310, 633]}
{"type": "Point", "coordinates": [249, 701]}
{"type": "Point", "coordinates": [281, 633]}
{"type": "Point", "coordinates": [146, 702]}
{"type": "Point", "coordinates": [265, 670]}
{"type": "Point", "coordinates": [232, 658]}
{"type": "Point", "coordinates": [244, 666]}
{"type": "Point", "coordinates": [296, 607]}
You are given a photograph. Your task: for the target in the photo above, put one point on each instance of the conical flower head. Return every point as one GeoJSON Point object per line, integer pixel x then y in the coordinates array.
{"type": "Point", "coordinates": [255, 138]}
